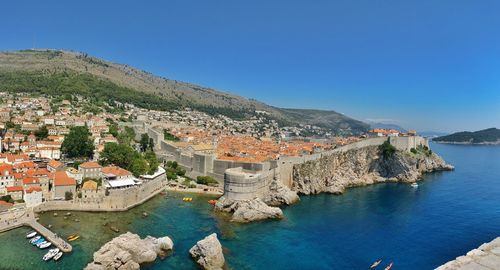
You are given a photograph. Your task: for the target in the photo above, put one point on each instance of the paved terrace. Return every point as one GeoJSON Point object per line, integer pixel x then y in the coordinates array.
{"type": "Point", "coordinates": [21, 217]}
{"type": "Point", "coordinates": [485, 257]}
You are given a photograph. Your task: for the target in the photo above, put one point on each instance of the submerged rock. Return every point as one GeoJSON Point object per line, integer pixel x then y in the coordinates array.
{"type": "Point", "coordinates": [128, 251]}
{"type": "Point", "coordinates": [248, 210]}
{"type": "Point", "coordinates": [208, 253]}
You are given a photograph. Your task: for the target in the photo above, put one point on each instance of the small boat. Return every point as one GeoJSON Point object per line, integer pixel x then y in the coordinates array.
{"type": "Point", "coordinates": [58, 256]}
{"type": "Point", "coordinates": [212, 202]}
{"type": "Point", "coordinates": [36, 238]}
{"type": "Point", "coordinates": [375, 264]}
{"type": "Point", "coordinates": [73, 238]}
{"type": "Point", "coordinates": [389, 266]}
{"type": "Point", "coordinates": [414, 185]}
{"type": "Point", "coordinates": [45, 245]}
{"type": "Point", "coordinates": [39, 241]}
{"type": "Point", "coordinates": [187, 199]}
{"type": "Point", "coordinates": [31, 234]}
{"type": "Point", "coordinates": [49, 255]}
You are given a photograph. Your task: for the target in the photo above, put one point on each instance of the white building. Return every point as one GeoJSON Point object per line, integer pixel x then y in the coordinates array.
{"type": "Point", "coordinates": [33, 197]}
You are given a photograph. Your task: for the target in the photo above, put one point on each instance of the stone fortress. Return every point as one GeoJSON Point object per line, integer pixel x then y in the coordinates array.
{"type": "Point", "coordinates": [248, 180]}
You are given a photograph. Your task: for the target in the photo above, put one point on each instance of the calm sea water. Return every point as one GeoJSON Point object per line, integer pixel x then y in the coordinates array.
{"type": "Point", "coordinates": [449, 214]}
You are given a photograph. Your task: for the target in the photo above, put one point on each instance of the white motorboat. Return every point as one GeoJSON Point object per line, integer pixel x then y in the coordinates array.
{"type": "Point", "coordinates": [58, 256]}
{"type": "Point", "coordinates": [31, 234]}
{"type": "Point", "coordinates": [45, 245]}
{"type": "Point", "coordinates": [414, 185]}
{"type": "Point", "coordinates": [35, 239]}
{"type": "Point", "coordinates": [40, 242]}
{"type": "Point", "coordinates": [53, 252]}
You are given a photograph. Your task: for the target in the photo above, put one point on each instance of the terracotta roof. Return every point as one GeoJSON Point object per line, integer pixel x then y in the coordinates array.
{"type": "Point", "coordinates": [62, 179]}
{"type": "Point", "coordinates": [3, 203]}
{"type": "Point", "coordinates": [54, 163]}
{"type": "Point", "coordinates": [116, 171]}
{"type": "Point", "coordinates": [33, 189]}
{"type": "Point", "coordinates": [90, 165]}
{"type": "Point", "coordinates": [89, 185]}
{"type": "Point", "coordinates": [5, 168]}
{"type": "Point", "coordinates": [14, 189]}
{"type": "Point", "coordinates": [30, 180]}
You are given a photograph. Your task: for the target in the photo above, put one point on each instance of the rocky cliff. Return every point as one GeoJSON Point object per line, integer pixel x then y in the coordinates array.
{"type": "Point", "coordinates": [357, 167]}
{"type": "Point", "coordinates": [248, 210]}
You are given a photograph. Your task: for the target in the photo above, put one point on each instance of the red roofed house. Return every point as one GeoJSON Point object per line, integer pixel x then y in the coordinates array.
{"type": "Point", "coordinates": [33, 196]}
{"type": "Point", "coordinates": [62, 183]}
{"type": "Point", "coordinates": [6, 177]}
{"type": "Point", "coordinates": [90, 169]}
{"type": "Point", "coordinates": [55, 166]}
{"type": "Point", "coordinates": [16, 192]}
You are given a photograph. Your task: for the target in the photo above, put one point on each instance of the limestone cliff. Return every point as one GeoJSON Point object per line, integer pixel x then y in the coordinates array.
{"type": "Point", "coordinates": [363, 166]}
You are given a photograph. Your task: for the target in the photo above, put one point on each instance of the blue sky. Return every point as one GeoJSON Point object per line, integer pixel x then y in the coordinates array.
{"type": "Point", "coordinates": [429, 65]}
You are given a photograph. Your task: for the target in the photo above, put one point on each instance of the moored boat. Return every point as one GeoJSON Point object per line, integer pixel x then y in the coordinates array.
{"type": "Point", "coordinates": [212, 202]}
{"type": "Point", "coordinates": [31, 234]}
{"type": "Point", "coordinates": [415, 185]}
{"type": "Point", "coordinates": [49, 255]}
{"type": "Point", "coordinates": [40, 240]}
{"type": "Point", "coordinates": [36, 238]}
{"type": "Point", "coordinates": [375, 264]}
{"type": "Point", "coordinates": [389, 266]}
{"type": "Point", "coordinates": [73, 238]}
{"type": "Point", "coordinates": [58, 256]}
{"type": "Point", "coordinates": [45, 245]}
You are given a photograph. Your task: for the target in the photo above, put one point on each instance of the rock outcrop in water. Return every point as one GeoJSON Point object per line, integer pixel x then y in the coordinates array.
{"type": "Point", "coordinates": [208, 253]}
{"type": "Point", "coordinates": [363, 166]}
{"type": "Point", "coordinates": [128, 251]}
{"type": "Point", "coordinates": [248, 210]}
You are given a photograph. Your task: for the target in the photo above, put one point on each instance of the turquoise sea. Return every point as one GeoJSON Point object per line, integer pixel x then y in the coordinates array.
{"type": "Point", "coordinates": [449, 214]}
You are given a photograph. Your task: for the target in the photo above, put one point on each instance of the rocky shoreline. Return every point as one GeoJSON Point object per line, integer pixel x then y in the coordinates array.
{"type": "Point", "coordinates": [208, 253]}
{"type": "Point", "coordinates": [485, 257]}
{"type": "Point", "coordinates": [364, 166]}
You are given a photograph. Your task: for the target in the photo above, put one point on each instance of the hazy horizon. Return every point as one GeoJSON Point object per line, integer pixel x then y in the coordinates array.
{"type": "Point", "coordinates": [421, 65]}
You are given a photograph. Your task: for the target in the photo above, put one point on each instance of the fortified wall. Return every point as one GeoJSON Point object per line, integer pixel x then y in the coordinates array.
{"type": "Point", "coordinates": [244, 180]}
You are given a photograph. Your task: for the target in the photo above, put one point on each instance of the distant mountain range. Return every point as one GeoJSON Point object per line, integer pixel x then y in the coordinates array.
{"type": "Point", "coordinates": [385, 126]}
{"type": "Point", "coordinates": [56, 72]}
{"type": "Point", "coordinates": [486, 136]}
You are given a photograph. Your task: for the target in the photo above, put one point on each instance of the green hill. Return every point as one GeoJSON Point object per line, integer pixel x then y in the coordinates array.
{"type": "Point", "coordinates": [486, 136]}
{"type": "Point", "coordinates": [63, 72]}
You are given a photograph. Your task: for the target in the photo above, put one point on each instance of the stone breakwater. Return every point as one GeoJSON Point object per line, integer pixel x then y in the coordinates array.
{"type": "Point", "coordinates": [362, 166]}
{"type": "Point", "coordinates": [128, 251]}
{"type": "Point", "coordinates": [485, 257]}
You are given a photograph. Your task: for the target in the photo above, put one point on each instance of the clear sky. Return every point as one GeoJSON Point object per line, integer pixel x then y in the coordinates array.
{"type": "Point", "coordinates": [424, 64]}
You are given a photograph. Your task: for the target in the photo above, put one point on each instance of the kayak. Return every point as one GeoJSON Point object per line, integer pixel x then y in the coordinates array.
{"type": "Point", "coordinates": [389, 266]}
{"type": "Point", "coordinates": [375, 264]}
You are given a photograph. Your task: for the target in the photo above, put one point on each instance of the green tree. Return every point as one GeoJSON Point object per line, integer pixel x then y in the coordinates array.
{"type": "Point", "coordinates": [387, 149]}
{"type": "Point", "coordinates": [78, 143]}
{"type": "Point", "coordinates": [68, 195]}
{"type": "Point", "coordinates": [152, 160]}
{"type": "Point", "coordinates": [42, 133]}
{"type": "Point", "coordinates": [119, 154]}
{"type": "Point", "coordinates": [151, 144]}
{"type": "Point", "coordinates": [144, 142]}
{"type": "Point", "coordinates": [139, 166]}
